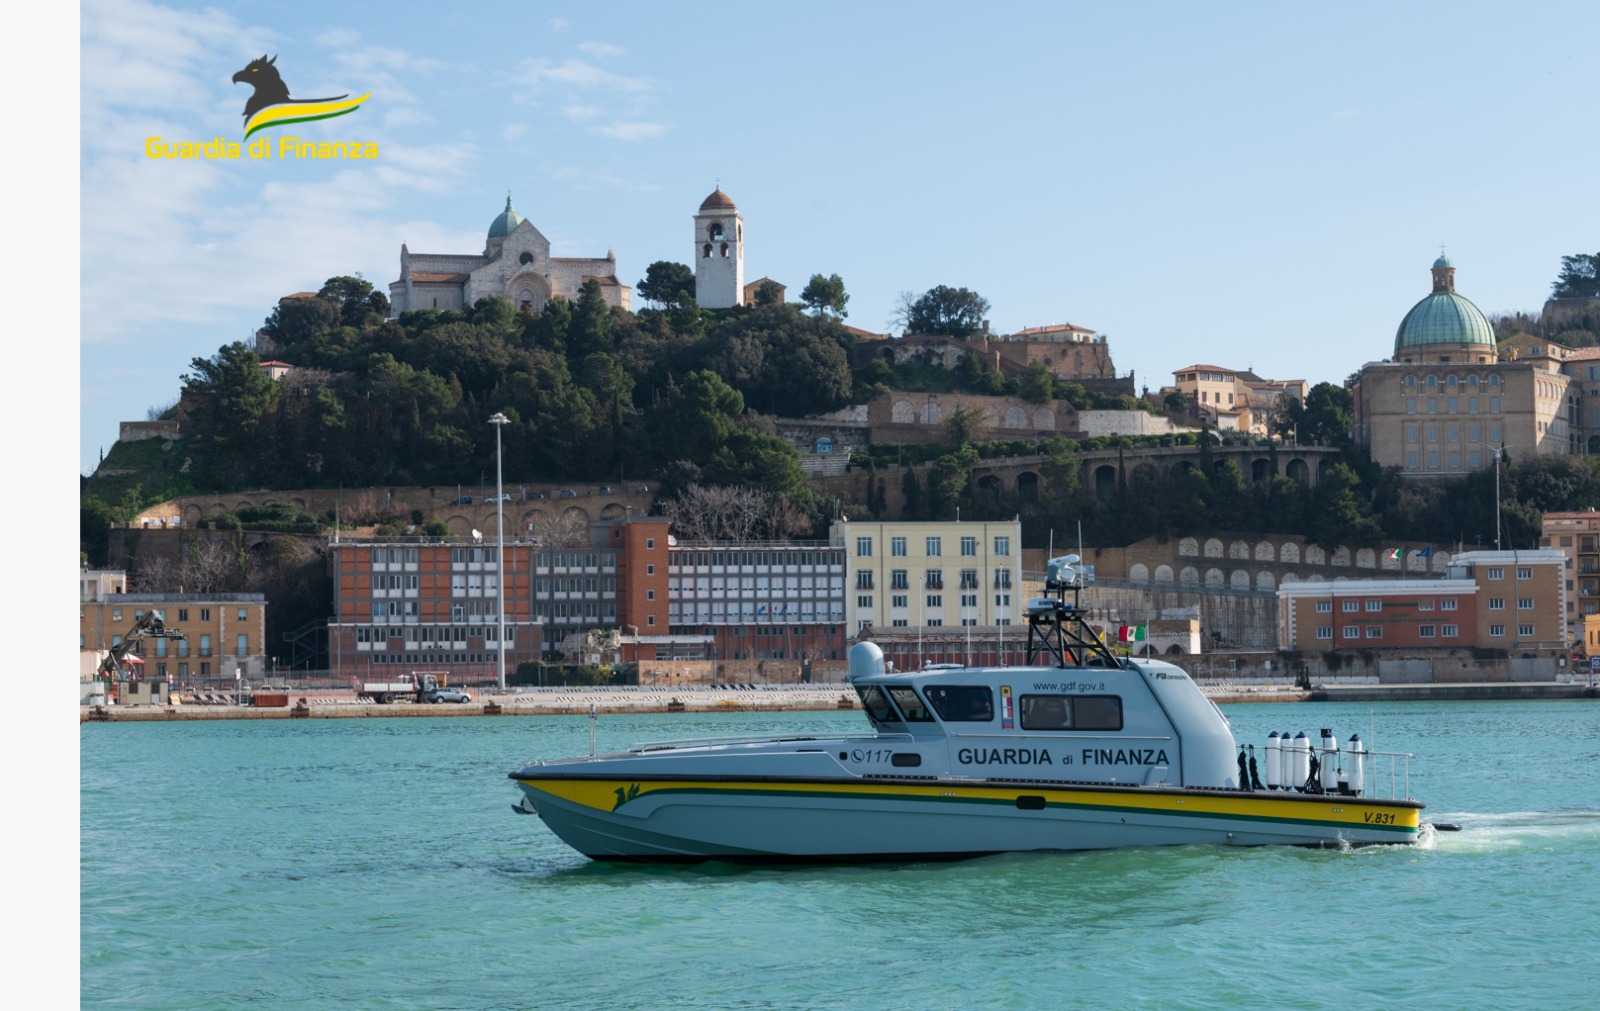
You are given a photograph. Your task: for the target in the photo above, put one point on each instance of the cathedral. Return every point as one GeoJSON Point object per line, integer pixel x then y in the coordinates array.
{"type": "Point", "coordinates": [515, 264]}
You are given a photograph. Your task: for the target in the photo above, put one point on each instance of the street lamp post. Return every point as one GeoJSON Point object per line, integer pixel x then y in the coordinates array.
{"type": "Point", "coordinates": [1497, 451]}
{"type": "Point", "coordinates": [498, 421]}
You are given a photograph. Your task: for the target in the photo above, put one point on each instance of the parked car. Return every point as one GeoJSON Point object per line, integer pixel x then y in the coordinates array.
{"type": "Point", "coordinates": [604, 489]}
{"type": "Point", "coordinates": [568, 493]}
{"type": "Point", "coordinates": [492, 499]}
{"type": "Point", "coordinates": [463, 500]}
{"type": "Point", "coordinates": [448, 695]}
{"type": "Point", "coordinates": [642, 487]}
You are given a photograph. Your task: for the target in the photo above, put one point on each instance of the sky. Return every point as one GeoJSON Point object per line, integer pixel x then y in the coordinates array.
{"type": "Point", "coordinates": [1253, 185]}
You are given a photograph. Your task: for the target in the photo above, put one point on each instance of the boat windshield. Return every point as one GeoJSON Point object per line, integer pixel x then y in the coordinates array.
{"type": "Point", "coordinates": [877, 705]}
{"type": "Point", "coordinates": [962, 703]}
{"type": "Point", "coordinates": [906, 698]}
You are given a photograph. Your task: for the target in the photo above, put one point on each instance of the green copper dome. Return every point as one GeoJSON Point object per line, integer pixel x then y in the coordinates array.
{"type": "Point", "coordinates": [1442, 261]}
{"type": "Point", "coordinates": [1443, 317]}
{"type": "Point", "coordinates": [508, 219]}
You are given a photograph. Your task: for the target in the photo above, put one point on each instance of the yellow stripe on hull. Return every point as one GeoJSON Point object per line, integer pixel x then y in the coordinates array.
{"type": "Point", "coordinates": [1402, 818]}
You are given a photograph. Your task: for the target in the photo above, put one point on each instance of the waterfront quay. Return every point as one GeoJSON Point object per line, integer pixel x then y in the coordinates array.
{"type": "Point", "coordinates": [334, 704]}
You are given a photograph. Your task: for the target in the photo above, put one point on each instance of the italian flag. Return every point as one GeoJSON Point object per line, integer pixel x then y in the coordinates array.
{"type": "Point", "coordinates": [1396, 553]}
{"type": "Point", "coordinates": [1133, 633]}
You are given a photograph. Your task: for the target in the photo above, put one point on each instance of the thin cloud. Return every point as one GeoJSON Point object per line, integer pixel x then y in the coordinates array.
{"type": "Point", "coordinates": [632, 131]}
{"type": "Point", "coordinates": [601, 50]}
{"type": "Point", "coordinates": [544, 74]}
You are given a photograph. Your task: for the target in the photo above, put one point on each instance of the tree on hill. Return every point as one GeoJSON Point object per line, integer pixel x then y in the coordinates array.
{"type": "Point", "coordinates": [227, 396]}
{"type": "Point", "coordinates": [667, 284]}
{"type": "Point", "coordinates": [1579, 278]}
{"type": "Point", "coordinates": [825, 296]}
{"type": "Point", "coordinates": [945, 310]}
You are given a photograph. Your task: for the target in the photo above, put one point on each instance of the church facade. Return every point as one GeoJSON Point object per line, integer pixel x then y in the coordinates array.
{"type": "Point", "coordinates": [515, 264]}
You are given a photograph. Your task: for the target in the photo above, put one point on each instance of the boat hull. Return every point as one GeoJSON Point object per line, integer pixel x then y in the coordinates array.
{"type": "Point", "coordinates": [770, 819]}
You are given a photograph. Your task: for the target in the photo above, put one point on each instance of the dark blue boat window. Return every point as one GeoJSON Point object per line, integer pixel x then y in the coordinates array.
{"type": "Point", "coordinates": [1097, 712]}
{"type": "Point", "coordinates": [1045, 712]}
{"type": "Point", "coordinates": [877, 705]}
{"type": "Point", "coordinates": [1070, 712]}
{"type": "Point", "coordinates": [906, 699]}
{"type": "Point", "coordinates": [961, 703]}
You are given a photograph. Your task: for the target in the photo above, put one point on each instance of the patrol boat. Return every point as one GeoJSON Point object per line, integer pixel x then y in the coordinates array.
{"type": "Point", "coordinates": [1078, 750]}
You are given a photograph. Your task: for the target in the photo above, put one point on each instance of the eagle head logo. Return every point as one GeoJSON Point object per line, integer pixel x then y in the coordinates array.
{"type": "Point", "coordinates": [270, 105]}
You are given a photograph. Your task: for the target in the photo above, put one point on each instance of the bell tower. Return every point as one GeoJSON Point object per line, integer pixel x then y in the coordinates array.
{"type": "Point", "coordinates": [718, 253]}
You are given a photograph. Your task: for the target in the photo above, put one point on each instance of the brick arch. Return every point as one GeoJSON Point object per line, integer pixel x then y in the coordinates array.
{"type": "Point", "coordinates": [1265, 552]}
{"type": "Point", "coordinates": [1215, 579]}
{"type": "Point", "coordinates": [1239, 549]}
{"type": "Point", "coordinates": [1188, 547]}
{"type": "Point", "coordinates": [903, 412]}
{"type": "Point", "coordinates": [1213, 547]}
{"type": "Point", "coordinates": [1239, 579]}
{"type": "Point", "coordinates": [1163, 573]}
{"type": "Point", "coordinates": [1190, 576]}
{"type": "Point", "coordinates": [1139, 573]}
{"type": "Point", "coordinates": [1289, 552]}
{"type": "Point", "coordinates": [1366, 558]}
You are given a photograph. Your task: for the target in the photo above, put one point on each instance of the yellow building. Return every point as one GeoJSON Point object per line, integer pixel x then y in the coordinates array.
{"type": "Point", "coordinates": [930, 574]}
{"type": "Point", "coordinates": [223, 632]}
{"type": "Point", "coordinates": [1235, 400]}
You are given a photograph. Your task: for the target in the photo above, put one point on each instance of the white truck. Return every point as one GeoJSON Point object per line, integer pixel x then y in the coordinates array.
{"type": "Point", "coordinates": [414, 686]}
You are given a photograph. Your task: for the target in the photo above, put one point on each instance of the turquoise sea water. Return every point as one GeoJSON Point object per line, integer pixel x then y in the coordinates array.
{"type": "Point", "coordinates": [377, 863]}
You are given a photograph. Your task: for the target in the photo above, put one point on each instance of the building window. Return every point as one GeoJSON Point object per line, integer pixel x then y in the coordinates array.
{"type": "Point", "coordinates": [241, 615]}
{"type": "Point", "coordinates": [933, 547]}
{"type": "Point", "coordinates": [1449, 631]}
{"type": "Point", "coordinates": [897, 547]}
{"type": "Point", "coordinates": [1352, 605]}
{"type": "Point", "coordinates": [1425, 631]}
{"type": "Point", "coordinates": [1497, 631]}
{"type": "Point", "coordinates": [205, 614]}
{"type": "Point", "coordinates": [864, 602]}
{"type": "Point", "coordinates": [649, 619]}
{"type": "Point", "coordinates": [935, 580]}
{"type": "Point", "coordinates": [1374, 631]}
{"type": "Point", "coordinates": [935, 600]}
{"type": "Point", "coordinates": [1424, 603]}
{"type": "Point", "coordinates": [1525, 631]}
{"type": "Point", "coordinates": [1447, 604]}
{"type": "Point", "coordinates": [1352, 631]}
{"type": "Point", "coordinates": [1524, 603]}
{"type": "Point", "coordinates": [969, 547]}
{"type": "Point", "coordinates": [1497, 603]}
{"type": "Point", "coordinates": [1324, 606]}
{"type": "Point", "coordinates": [898, 600]}
{"type": "Point", "coordinates": [1324, 631]}
{"type": "Point", "coordinates": [649, 594]}
{"type": "Point", "coordinates": [1527, 573]}
{"type": "Point", "coordinates": [864, 580]}
{"type": "Point", "coordinates": [1497, 573]}
{"type": "Point", "coordinates": [242, 646]}
{"type": "Point", "coordinates": [650, 569]}
{"type": "Point", "coordinates": [898, 580]}
{"type": "Point", "coordinates": [1002, 546]}
{"type": "Point", "coordinates": [1374, 605]}
{"type": "Point", "coordinates": [863, 547]}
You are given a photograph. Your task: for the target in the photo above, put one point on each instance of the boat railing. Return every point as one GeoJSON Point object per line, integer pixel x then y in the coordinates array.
{"type": "Point", "coordinates": [1376, 767]}
{"type": "Point", "coordinates": [711, 742]}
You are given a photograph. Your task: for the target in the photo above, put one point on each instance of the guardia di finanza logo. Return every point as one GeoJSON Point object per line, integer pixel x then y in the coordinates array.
{"type": "Point", "coordinates": [270, 105]}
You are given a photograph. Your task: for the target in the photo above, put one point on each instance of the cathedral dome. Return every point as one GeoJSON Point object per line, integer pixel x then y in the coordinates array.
{"type": "Point", "coordinates": [508, 219]}
{"type": "Point", "coordinates": [1443, 318]}
{"type": "Point", "coordinates": [718, 201]}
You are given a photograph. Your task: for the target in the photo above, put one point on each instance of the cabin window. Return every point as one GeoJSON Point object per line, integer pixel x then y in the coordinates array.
{"type": "Point", "coordinates": [906, 698]}
{"type": "Point", "coordinates": [962, 703]}
{"type": "Point", "coordinates": [1071, 712]}
{"type": "Point", "coordinates": [877, 705]}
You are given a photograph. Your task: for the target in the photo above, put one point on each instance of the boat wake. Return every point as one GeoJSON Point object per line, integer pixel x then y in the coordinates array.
{"type": "Point", "coordinates": [1512, 829]}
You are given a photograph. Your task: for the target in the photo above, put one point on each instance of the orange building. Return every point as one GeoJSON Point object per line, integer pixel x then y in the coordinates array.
{"type": "Point", "coordinates": [1512, 600]}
